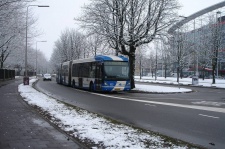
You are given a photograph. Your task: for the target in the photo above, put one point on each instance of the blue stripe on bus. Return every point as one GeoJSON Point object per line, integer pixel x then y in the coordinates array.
{"type": "Point", "coordinates": [123, 58]}
{"type": "Point", "coordinates": [103, 58]}
{"type": "Point", "coordinates": [110, 58]}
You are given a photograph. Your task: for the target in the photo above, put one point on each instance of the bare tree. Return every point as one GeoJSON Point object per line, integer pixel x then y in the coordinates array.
{"type": "Point", "coordinates": [181, 51]}
{"type": "Point", "coordinates": [12, 26]}
{"type": "Point", "coordinates": [70, 46]}
{"type": "Point", "coordinates": [205, 46]}
{"type": "Point", "coordinates": [211, 37]}
{"type": "Point", "coordinates": [216, 40]}
{"type": "Point", "coordinates": [96, 45]}
{"type": "Point", "coordinates": [141, 62]}
{"type": "Point", "coordinates": [152, 59]}
{"type": "Point", "coordinates": [8, 27]}
{"type": "Point", "coordinates": [128, 24]}
{"type": "Point", "coordinates": [166, 57]}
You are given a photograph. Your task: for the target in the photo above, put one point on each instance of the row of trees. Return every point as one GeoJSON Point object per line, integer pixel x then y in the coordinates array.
{"type": "Point", "coordinates": [114, 27]}
{"type": "Point", "coordinates": [200, 47]}
{"type": "Point", "coordinates": [196, 48]}
{"type": "Point", "coordinates": [11, 27]}
{"type": "Point", "coordinates": [12, 36]}
{"type": "Point", "coordinates": [124, 25]}
{"type": "Point", "coordinates": [73, 44]}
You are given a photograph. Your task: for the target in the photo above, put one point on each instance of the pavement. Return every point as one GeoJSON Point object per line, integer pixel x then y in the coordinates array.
{"type": "Point", "coordinates": [22, 127]}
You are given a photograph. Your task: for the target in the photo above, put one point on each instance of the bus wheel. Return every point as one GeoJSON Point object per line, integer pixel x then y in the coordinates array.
{"type": "Point", "coordinates": [91, 87]}
{"type": "Point", "coordinates": [73, 84]}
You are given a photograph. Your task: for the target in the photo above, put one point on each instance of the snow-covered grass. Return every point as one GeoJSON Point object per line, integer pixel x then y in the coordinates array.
{"type": "Point", "coordinates": [220, 83]}
{"type": "Point", "coordinates": [92, 129]}
{"type": "Point", "coordinates": [160, 89]}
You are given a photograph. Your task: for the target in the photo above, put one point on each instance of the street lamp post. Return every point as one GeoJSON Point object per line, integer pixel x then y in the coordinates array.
{"type": "Point", "coordinates": [26, 78]}
{"type": "Point", "coordinates": [36, 55]}
{"type": "Point", "coordinates": [156, 58]}
{"type": "Point", "coordinates": [218, 42]}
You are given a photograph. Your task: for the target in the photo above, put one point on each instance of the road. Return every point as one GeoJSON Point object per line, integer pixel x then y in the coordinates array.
{"type": "Point", "coordinates": [197, 117]}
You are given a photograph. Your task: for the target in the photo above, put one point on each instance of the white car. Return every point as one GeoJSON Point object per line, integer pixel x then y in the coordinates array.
{"type": "Point", "coordinates": [47, 77]}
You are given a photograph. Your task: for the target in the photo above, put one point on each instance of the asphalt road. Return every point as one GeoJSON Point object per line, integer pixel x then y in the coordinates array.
{"type": "Point", "coordinates": [197, 117]}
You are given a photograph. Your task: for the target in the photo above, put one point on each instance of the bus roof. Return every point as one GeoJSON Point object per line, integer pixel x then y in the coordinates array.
{"type": "Point", "coordinates": [102, 58]}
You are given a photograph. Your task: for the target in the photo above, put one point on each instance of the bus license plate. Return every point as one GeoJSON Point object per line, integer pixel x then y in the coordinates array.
{"type": "Point", "coordinates": [117, 89]}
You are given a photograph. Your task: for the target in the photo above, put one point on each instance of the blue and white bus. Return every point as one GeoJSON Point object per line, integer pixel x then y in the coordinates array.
{"type": "Point", "coordinates": [101, 73]}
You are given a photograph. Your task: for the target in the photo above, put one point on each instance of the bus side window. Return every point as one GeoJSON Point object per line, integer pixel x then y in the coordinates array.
{"type": "Point", "coordinates": [92, 70]}
{"type": "Point", "coordinates": [92, 73]}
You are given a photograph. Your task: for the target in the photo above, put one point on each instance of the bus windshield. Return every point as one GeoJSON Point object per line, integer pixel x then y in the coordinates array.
{"type": "Point", "coordinates": [116, 70]}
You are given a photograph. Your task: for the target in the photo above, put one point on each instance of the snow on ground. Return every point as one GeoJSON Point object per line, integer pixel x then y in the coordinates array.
{"type": "Point", "coordinates": [220, 83]}
{"type": "Point", "coordinates": [160, 89]}
{"type": "Point", "coordinates": [84, 125]}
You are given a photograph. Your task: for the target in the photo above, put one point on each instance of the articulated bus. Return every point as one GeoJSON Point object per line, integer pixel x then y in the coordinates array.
{"type": "Point", "coordinates": [101, 73]}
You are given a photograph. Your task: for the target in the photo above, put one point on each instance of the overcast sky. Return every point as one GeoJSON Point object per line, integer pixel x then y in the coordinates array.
{"type": "Point", "coordinates": [59, 16]}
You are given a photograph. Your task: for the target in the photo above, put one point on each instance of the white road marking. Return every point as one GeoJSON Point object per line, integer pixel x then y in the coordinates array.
{"type": "Point", "coordinates": [150, 105]}
{"type": "Point", "coordinates": [209, 103]}
{"type": "Point", "coordinates": [213, 109]}
{"type": "Point", "coordinates": [208, 116]}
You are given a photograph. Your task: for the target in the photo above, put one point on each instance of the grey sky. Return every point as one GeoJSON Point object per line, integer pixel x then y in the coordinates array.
{"type": "Point", "coordinates": [59, 16]}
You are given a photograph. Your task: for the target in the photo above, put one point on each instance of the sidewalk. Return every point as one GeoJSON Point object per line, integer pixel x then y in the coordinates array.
{"type": "Point", "coordinates": [22, 128]}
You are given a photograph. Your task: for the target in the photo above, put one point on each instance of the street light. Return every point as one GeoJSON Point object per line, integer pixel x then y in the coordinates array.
{"type": "Point", "coordinates": [36, 55]}
{"type": "Point", "coordinates": [26, 78]}
{"type": "Point", "coordinates": [218, 40]}
{"type": "Point", "coordinates": [156, 58]}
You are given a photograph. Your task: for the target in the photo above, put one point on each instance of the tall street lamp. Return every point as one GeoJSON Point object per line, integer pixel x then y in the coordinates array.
{"type": "Point", "coordinates": [218, 36]}
{"type": "Point", "coordinates": [26, 78]}
{"type": "Point", "coordinates": [36, 55]}
{"type": "Point", "coordinates": [156, 54]}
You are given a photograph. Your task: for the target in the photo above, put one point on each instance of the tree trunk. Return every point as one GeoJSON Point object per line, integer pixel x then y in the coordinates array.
{"type": "Point", "coordinates": [178, 74]}
{"type": "Point", "coordinates": [2, 58]}
{"type": "Point", "coordinates": [213, 70]}
{"type": "Point", "coordinates": [213, 74]}
{"type": "Point", "coordinates": [131, 55]}
{"type": "Point", "coordinates": [203, 73]}
{"type": "Point", "coordinates": [132, 66]}
{"type": "Point", "coordinates": [1, 64]}
{"type": "Point", "coordinates": [181, 73]}
{"type": "Point", "coordinates": [165, 70]}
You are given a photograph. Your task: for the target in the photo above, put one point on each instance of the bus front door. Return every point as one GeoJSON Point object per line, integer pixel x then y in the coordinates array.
{"type": "Point", "coordinates": [98, 78]}
{"type": "Point", "coordinates": [80, 80]}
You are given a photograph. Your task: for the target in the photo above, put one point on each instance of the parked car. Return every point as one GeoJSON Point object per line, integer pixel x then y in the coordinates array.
{"type": "Point", "coordinates": [47, 77]}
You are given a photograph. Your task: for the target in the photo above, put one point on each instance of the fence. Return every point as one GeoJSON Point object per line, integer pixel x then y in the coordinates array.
{"type": "Point", "coordinates": [7, 74]}
{"type": "Point", "coordinates": [30, 73]}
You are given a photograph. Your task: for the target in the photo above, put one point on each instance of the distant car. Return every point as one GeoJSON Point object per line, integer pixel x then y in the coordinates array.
{"type": "Point", "coordinates": [47, 77]}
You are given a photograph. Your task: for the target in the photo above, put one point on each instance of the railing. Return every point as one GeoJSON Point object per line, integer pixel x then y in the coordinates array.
{"type": "Point", "coordinates": [7, 74]}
